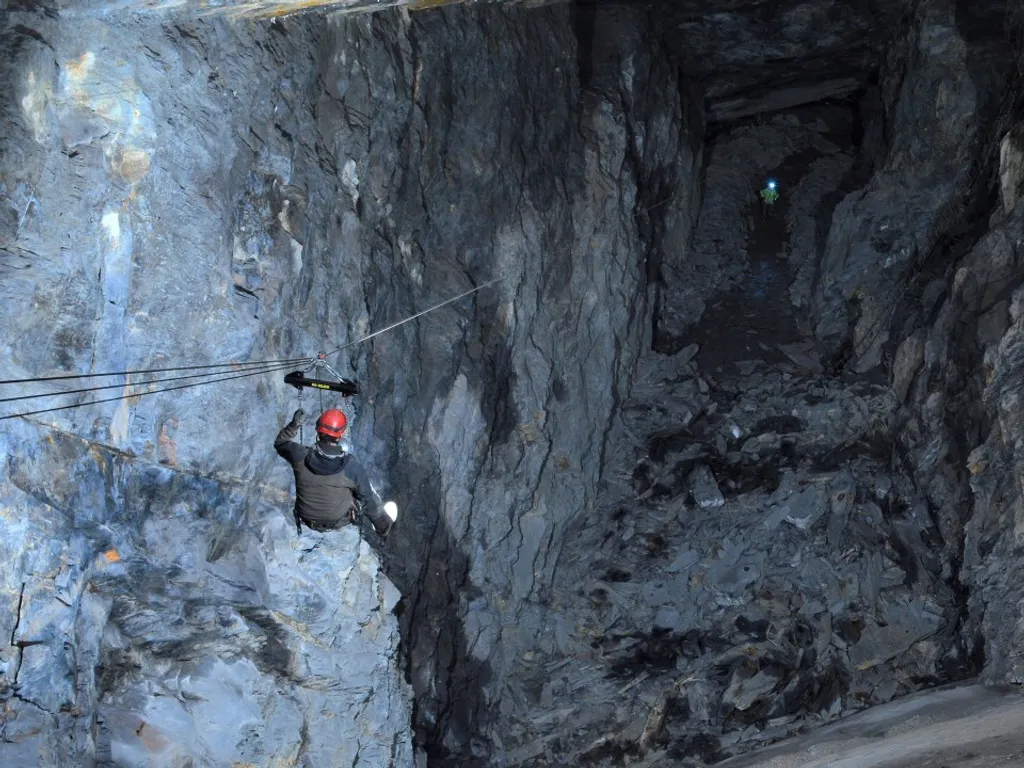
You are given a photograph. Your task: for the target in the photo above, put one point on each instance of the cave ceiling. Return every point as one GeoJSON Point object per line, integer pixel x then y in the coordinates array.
{"type": "Point", "coordinates": [750, 56]}
{"type": "Point", "coordinates": [745, 56]}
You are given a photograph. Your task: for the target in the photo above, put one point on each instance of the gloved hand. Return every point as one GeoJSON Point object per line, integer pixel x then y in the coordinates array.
{"type": "Point", "coordinates": [298, 418]}
{"type": "Point", "coordinates": [391, 510]}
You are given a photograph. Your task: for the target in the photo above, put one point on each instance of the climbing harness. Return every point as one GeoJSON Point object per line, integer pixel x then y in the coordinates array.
{"type": "Point", "coordinates": [318, 375]}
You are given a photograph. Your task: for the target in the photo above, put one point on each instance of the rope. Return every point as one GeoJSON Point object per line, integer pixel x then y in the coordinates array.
{"type": "Point", "coordinates": [83, 390]}
{"type": "Point", "coordinates": [248, 368]}
{"type": "Point", "coordinates": [156, 370]}
{"type": "Point", "coordinates": [270, 369]}
{"type": "Point", "coordinates": [418, 314]}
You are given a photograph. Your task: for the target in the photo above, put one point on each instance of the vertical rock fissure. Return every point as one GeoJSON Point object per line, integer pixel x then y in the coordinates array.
{"type": "Point", "coordinates": [598, 503]}
{"type": "Point", "coordinates": [16, 644]}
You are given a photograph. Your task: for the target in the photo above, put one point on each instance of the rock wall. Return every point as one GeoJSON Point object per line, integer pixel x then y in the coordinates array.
{"type": "Point", "coordinates": [947, 91]}
{"type": "Point", "coordinates": [955, 365]}
{"type": "Point", "coordinates": [809, 153]}
{"type": "Point", "coordinates": [940, 219]}
{"type": "Point", "coordinates": [502, 166]}
{"type": "Point", "coordinates": [167, 202]}
{"type": "Point", "coordinates": [186, 190]}
{"type": "Point", "coordinates": [753, 565]}
{"type": "Point", "coordinates": [714, 543]}
{"type": "Point", "coordinates": [920, 491]}
{"type": "Point", "coordinates": [159, 616]}
{"type": "Point", "coordinates": [980, 323]}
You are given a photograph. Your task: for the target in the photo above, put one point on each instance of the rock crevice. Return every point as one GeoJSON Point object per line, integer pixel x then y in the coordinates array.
{"type": "Point", "coordinates": [693, 475]}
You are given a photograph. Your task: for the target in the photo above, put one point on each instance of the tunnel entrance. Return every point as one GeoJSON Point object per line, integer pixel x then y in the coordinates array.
{"type": "Point", "coordinates": [755, 317]}
{"type": "Point", "coordinates": [757, 313]}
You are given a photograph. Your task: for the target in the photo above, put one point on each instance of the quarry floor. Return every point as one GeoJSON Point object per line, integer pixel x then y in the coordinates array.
{"type": "Point", "coordinates": [962, 727]}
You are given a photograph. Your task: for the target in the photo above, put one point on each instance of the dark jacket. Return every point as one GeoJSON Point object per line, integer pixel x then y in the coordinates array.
{"type": "Point", "coordinates": [328, 487]}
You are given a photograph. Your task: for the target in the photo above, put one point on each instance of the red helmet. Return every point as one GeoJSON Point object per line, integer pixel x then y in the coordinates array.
{"type": "Point", "coordinates": [331, 423]}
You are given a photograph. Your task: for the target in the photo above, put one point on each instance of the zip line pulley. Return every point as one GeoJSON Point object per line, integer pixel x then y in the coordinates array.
{"type": "Point", "coordinates": [320, 375]}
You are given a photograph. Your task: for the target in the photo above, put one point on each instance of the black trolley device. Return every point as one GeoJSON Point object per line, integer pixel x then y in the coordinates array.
{"type": "Point", "coordinates": [333, 382]}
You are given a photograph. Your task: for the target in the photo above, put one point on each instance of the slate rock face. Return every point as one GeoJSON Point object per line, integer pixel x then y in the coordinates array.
{"type": "Point", "coordinates": [161, 187]}
{"type": "Point", "coordinates": [159, 616]}
{"type": "Point", "coordinates": [975, 494]}
{"type": "Point", "coordinates": [809, 157]}
{"type": "Point", "coordinates": [519, 404]}
{"type": "Point", "coordinates": [946, 314]}
{"type": "Point", "coordinates": [754, 57]}
{"type": "Point", "coordinates": [929, 190]}
{"type": "Point", "coordinates": [876, 482]}
{"type": "Point", "coordinates": [654, 504]}
{"type": "Point", "coordinates": [248, 192]}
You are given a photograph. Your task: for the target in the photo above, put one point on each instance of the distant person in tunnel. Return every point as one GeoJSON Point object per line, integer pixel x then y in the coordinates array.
{"type": "Point", "coordinates": [769, 196]}
{"type": "Point", "coordinates": [331, 486]}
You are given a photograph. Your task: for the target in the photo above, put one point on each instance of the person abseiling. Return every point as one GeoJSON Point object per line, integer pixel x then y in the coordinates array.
{"type": "Point", "coordinates": [331, 486]}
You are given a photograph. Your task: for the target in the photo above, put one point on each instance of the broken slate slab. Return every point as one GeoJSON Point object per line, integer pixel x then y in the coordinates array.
{"type": "Point", "coordinates": [801, 510]}
{"type": "Point", "coordinates": [905, 623]}
{"type": "Point", "coordinates": [685, 560]}
{"type": "Point", "coordinates": [842, 492]}
{"type": "Point", "coordinates": [742, 692]}
{"type": "Point", "coordinates": [669, 619]}
{"type": "Point", "coordinates": [735, 568]}
{"type": "Point", "coordinates": [705, 488]}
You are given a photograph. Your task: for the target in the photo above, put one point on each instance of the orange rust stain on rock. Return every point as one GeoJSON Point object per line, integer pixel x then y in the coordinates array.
{"type": "Point", "coordinates": [150, 737]}
{"type": "Point", "coordinates": [167, 450]}
{"type": "Point", "coordinates": [79, 68]}
{"type": "Point", "coordinates": [133, 164]}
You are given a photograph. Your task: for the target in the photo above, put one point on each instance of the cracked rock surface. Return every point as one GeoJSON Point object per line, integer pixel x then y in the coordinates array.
{"type": "Point", "coordinates": [314, 180]}
{"type": "Point", "coordinates": [160, 204]}
{"type": "Point", "coordinates": [695, 476]}
{"type": "Point", "coordinates": [159, 616]}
